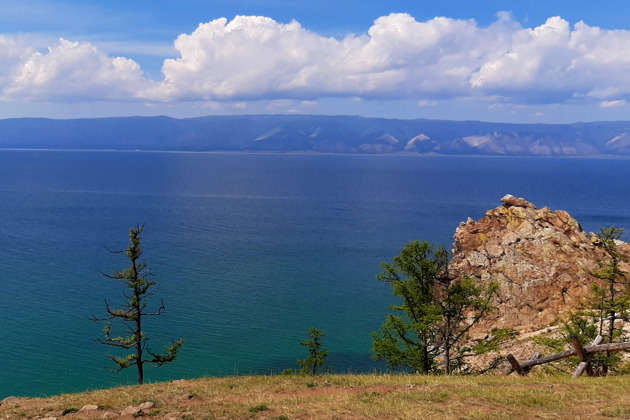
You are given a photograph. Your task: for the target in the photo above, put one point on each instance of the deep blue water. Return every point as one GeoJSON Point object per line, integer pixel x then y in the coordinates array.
{"type": "Point", "coordinates": [250, 250]}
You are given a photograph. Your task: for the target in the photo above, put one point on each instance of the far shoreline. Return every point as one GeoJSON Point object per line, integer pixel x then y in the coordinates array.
{"type": "Point", "coordinates": [313, 153]}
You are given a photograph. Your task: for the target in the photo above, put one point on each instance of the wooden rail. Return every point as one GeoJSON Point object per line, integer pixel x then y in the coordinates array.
{"type": "Point", "coordinates": [585, 354]}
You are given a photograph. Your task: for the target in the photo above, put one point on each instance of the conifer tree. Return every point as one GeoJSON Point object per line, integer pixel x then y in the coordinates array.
{"type": "Point", "coordinates": [136, 279]}
{"type": "Point", "coordinates": [612, 299]}
{"type": "Point", "coordinates": [435, 314]}
{"type": "Point", "coordinates": [316, 356]}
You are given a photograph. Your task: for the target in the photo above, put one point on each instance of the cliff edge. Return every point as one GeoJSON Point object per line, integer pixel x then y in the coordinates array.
{"type": "Point", "coordinates": [540, 259]}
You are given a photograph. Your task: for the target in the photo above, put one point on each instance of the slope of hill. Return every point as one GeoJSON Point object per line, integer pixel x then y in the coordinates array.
{"type": "Point", "coordinates": [349, 397]}
{"type": "Point", "coordinates": [312, 133]}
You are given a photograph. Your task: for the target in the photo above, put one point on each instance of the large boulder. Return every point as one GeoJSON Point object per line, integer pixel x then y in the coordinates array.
{"type": "Point", "coordinates": [541, 260]}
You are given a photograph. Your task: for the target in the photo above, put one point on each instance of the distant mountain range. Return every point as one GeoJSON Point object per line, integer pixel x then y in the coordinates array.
{"type": "Point", "coordinates": [314, 133]}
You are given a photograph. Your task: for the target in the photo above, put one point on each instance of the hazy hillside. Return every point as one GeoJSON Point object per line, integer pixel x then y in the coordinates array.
{"type": "Point", "coordinates": [328, 134]}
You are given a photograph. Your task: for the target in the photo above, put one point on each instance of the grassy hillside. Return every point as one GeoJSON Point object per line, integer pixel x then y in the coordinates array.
{"type": "Point", "coordinates": [345, 397]}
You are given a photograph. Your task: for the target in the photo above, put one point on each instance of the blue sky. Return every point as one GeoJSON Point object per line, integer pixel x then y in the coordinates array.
{"type": "Point", "coordinates": [513, 61]}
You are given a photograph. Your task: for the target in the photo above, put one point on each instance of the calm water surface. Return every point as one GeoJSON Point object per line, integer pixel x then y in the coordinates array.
{"type": "Point", "coordinates": [250, 250]}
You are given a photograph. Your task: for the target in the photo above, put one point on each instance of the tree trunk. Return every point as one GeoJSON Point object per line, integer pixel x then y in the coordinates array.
{"type": "Point", "coordinates": [611, 313]}
{"type": "Point", "coordinates": [425, 357]}
{"type": "Point", "coordinates": [140, 372]}
{"type": "Point", "coordinates": [447, 346]}
{"type": "Point", "coordinates": [611, 321]}
{"type": "Point", "coordinates": [139, 361]}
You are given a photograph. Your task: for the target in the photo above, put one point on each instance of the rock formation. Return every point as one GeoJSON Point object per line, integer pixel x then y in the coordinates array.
{"type": "Point", "coordinates": [541, 260]}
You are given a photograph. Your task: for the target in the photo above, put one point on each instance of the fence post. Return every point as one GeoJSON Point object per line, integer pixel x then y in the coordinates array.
{"type": "Point", "coordinates": [515, 365]}
{"type": "Point", "coordinates": [586, 364]}
{"type": "Point", "coordinates": [585, 354]}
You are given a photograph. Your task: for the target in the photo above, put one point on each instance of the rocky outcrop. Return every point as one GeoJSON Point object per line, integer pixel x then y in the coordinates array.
{"type": "Point", "coordinates": [540, 259]}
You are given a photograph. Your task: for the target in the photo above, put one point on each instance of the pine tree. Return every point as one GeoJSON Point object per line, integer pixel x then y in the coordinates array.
{"type": "Point", "coordinates": [436, 312]}
{"type": "Point", "coordinates": [316, 356]}
{"type": "Point", "coordinates": [610, 300]}
{"type": "Point", "coordinates": [137, 280]}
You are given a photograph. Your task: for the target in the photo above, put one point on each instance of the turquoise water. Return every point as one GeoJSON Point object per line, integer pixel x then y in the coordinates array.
{"type": "Point", "coordinates": [250, 250]}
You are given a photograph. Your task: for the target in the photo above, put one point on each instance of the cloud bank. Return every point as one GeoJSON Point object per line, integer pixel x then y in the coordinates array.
{"type": "Point", "coordinates": [256, 58]}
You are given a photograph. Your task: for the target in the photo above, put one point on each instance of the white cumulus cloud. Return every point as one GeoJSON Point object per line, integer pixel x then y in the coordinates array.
{"type": "Point", "coordinates": [252, 58]}
{"type": "Point", "coordinates": [249, 57]}
{"type": "Point", "coordinates": [554, 63]}
{"type": "Point", "coordinates": [399, 58]}
{"type": "Point", "coordinates": [255, 57]}
{"type": "Point", "coordinates": [13, 52]}
{"type": "Point", "coordinates": [71, 71]}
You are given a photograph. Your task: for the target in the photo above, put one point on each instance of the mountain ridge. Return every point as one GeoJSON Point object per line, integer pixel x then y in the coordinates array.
{"type": "Point", "coordinates": [318, 133]}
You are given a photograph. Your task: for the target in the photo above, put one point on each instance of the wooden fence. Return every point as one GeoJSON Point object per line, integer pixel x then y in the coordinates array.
{"type": "Point", "coordinates": [585, 354]}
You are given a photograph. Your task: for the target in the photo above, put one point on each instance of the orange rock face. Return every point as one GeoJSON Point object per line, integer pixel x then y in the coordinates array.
{"type": "Point", "coordinates": [541, 260]}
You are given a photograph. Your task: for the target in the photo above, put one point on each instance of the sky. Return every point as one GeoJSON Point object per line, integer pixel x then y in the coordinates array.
{"type": "Point", "coordinates": [530, 61]}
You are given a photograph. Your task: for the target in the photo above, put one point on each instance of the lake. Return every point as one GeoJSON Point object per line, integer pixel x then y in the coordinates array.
{"type": "Point", "coordinates": [250, 250]}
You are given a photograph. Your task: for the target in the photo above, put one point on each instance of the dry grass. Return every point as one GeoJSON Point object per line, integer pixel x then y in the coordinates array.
{"type": "Point", "coordinates": [349, 397]}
